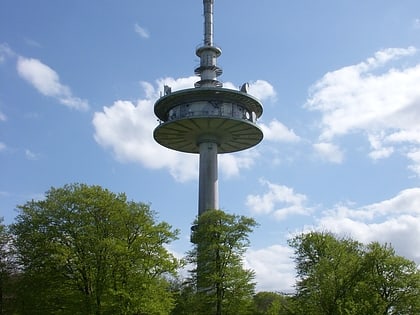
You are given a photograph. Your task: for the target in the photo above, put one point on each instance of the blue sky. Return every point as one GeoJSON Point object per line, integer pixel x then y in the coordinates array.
{"type": "Point", "coordinates": [340, 85]}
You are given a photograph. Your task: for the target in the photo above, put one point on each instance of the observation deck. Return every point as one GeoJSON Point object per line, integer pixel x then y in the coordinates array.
{"type": "Point", "coordinates": [208, 114]}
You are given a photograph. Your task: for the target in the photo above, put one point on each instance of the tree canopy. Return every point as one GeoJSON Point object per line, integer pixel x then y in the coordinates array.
{"type": "Point", "coordinates": [223, 285]}
{"type": "Point", "coordinates": [86, 250]}
{"type": "Point", "coordinates": [342, 276]}
{"type": "Point", "coordinates": [6, 268]}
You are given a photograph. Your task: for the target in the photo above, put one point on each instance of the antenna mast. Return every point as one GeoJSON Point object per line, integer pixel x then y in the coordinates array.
{"type": "Point", "coordinates": [208, 53]}
{"type": "Point", "coordinates": [208, 22]}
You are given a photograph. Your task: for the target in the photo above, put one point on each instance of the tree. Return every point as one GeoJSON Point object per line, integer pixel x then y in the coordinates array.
{"type": "Point", "coordinates": [6, 270]}
{"type": "Point", "coordinates": [223, 285]}
{"type": "Point", "coordinates": [327, 270]}
{"type": "Point", "coordinates": [267, 303]}
{"type": "Point", "coordinates": [86, 250]}
{"type": "Point", "coordinates": [341, 276]}
{"type": "Point", "coordinates": [185, 298]}
{"type": "Point", "coordinates": [396, 281]}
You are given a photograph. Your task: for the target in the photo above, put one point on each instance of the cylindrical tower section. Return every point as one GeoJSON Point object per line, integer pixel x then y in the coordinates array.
{"type": "Point", "coordinates": [208, 22]}
{"type": "Point", "coordinates": [208, 189]}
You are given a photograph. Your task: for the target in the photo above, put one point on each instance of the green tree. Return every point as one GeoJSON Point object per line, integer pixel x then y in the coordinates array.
{"type": "Point", "coordinates": [86, 250]}
{"type": "Point", "coordinates": [327, 268]}
{"type": "Point", "coordinates": [185, 298]}
{"type": "Point", "coordinates": [267, 303]}
{"type": "Point", "coordinates": [395, 279]}
{"type": "Point", "coordinates": [341, 276]}
{"type": "Point", "coordinates": [223, 285]}
{"type": "Point", "coordinates": [7, 268]}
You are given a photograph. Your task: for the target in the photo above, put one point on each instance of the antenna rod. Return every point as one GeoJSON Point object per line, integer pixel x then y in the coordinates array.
{"type": "Point", "coordinates": [208, 22]}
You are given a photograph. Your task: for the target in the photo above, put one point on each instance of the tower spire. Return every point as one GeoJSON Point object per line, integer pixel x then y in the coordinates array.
{"type": "Point", "coordinates": [208, 53]}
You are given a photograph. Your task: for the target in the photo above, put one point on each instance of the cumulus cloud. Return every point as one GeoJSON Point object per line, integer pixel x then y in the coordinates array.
{"type": "Point", "coordinates": [277, 132]}
{"type": "Point", "coordinates": [395, 220]}
{"type": "Point", "coordinates": [378, 149]}
{"type": "Point", "coordinates": [262, 90]}
{"type": "Point", "coordinates": [401, 232]}
{"type": "Point", "coordinates": [47, 82]}
{"type": "Point", "coordinates": [273, 266]}
{"type": "Point", "coordinates": [141, 31]}
{"type": "Point", "coordinates": [279, 200]}
{"type": "Point", "coordinates": [329, 152]}
{"type": "Point", "coordinates": [379, 98]}
{"type": "Point", "coordinates": [231, 164]}
{"type": "Point", "coordinates": [126, 128]}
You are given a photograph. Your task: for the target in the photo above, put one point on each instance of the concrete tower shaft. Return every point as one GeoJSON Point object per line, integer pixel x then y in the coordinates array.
{"type": "Point", "coordinates": [208, 193]}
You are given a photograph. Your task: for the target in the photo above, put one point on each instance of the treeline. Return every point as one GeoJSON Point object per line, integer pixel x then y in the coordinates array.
{"type": "Point", "coordinates": [86, 250]}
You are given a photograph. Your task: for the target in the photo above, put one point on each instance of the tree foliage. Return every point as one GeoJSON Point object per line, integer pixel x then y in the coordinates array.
{"type": "Point", "coordinates": [86, 250]}
{"type": "Point", "coordinates": [7, 268]}
{"type": "Point", "coordinates": [341, 276]}
{"type": "Point", "coordinates": [269, 303]}
{"type": "Point", "coordinates": [223, 285]}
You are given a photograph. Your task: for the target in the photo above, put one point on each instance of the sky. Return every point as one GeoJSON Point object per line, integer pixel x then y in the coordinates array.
{"type": "Point", "coordinates": [339, 82]}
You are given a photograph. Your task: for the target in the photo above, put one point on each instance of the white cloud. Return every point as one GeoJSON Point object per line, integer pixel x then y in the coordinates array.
{"type": "Point", "coordinates": [395, 221]}
{"type": "Point", "coordinates": [47, 82]}
{"type": "Point", "coordinates": [2, 117]}
{"type": "Point", "coordinates": [329, 152]}
{"type": "Point", "coordinates": [5, 52]}
{"type": "Point", "coordinates": [378, 98]}
{"type": "Point", "coordinates": [407, 201]}
{"type": "Point", "coordinates": [142, 32]}
{"type": "Point", "coordinates": [231, 164]}
{"type": "Point", "coordinates": [126, 128]}
{"type": "Point", "coordinates": [378, 150]}
{"type": "Point", "coordinates": [262, 90]}
{"type": "Point", "coordinates": [273, 266]}
{"type": "Point", "coordinates": [411, 135]}
{"type": "Point", "coordinates": [2, 146]}
{"type": "Point", "coordinates": [280, 201]}
{"type": "Point", "coordinates": [402, 232]}
{"type": "Point", "coordinates": [277, 132]}
{"type": "Point", "coordinates": [414, 156]}
{"type": "Point", "coordinates": [31, 155]}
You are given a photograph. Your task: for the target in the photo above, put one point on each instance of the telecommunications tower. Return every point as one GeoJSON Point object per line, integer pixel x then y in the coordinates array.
{"type": "Point", "coordinates": [208, 119]}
